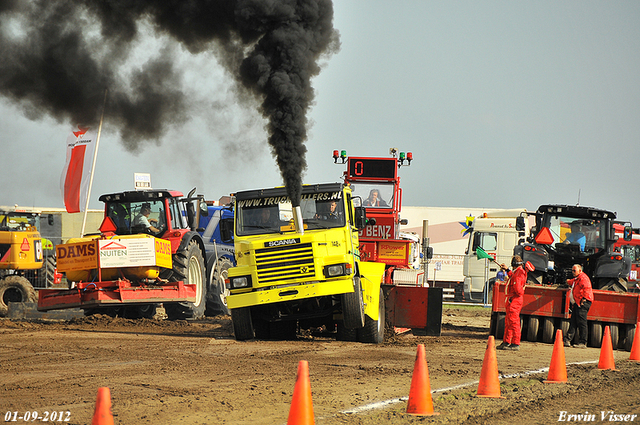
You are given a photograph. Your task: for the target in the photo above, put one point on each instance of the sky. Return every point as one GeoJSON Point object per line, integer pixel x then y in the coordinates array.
{"type": "Point", "coordinates": [504, 104]}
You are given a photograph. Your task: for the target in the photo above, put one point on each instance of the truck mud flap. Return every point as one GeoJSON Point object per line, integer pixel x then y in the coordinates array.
{"type": "Point", "coordinates": [89, 295]}
{"type": "Point", "coordinates": [414, 307]}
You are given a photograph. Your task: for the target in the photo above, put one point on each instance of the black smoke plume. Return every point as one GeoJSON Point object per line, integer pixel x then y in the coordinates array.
{"type": "Point", "coordinates": [58, 57]}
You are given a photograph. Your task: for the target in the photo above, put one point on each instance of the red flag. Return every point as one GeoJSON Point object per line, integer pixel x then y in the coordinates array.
{"type": "Point", "coordinates": [76, 175]}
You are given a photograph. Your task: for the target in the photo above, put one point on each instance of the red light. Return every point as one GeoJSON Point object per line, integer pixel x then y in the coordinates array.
{"type": "Point", "coordinates": [529, 248]}
{"type": "Point", "coordinates": [409, 156]}
{"type": "Point", "coordinates": [336, 154]}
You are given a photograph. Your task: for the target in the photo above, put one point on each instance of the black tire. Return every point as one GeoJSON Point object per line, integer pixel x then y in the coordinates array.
{"type": "Point", "coordinates": [218, 292]}
{"type": "Point", "coordinates": [188, 266]}
{"type": "Point", "coordinates": [630, 333]}
{"type": "Point", "coordinates": [373, 330]}
{"type": "Point", "coordinates": [614, 331]}
{"type": "Point", "coordinates": [499, 325]}
{"type": "Point", "coordinates": [15, 289]}
{"type": "Point", "coordinates": [242, 324]}
{"type": "Point", "coordinates": [595, 334]}
{"type": "Point", "coordinates": [548, 331]}
{"type": "Point", "coordinates": [345, 334]}
{"type": "Point", "coordinates": [353, 306]}
{"type": "Point", "coordinates": [533, 327]}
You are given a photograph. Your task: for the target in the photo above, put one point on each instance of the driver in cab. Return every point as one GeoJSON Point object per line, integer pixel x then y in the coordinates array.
{"type": "Point", "coordinates": [143, 220]}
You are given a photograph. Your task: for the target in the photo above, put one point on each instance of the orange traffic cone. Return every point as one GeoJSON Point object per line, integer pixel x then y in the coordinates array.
{"type": "Point", "coordinates": [489, 385]}
{"type": "Point", "coordinates": [606, 352]}
{"type": "Point", "coordinates": [102, 415]}
{"type": "Point", "coordinates": [420, 401]}
{"type": "Point", "coordinates": [558, 367]}
{"type": "Point", "coordinates": [635, 348]}
{"type": "Point", "coordinates": [301, 411]}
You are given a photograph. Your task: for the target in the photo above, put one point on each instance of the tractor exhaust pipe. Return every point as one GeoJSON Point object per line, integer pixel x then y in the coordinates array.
{"type": "Point", "coordinates": [297, 219]}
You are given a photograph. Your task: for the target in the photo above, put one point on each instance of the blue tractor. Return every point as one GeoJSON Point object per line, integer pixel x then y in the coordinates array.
{"type": "Point", "coordinates": [216, 229]}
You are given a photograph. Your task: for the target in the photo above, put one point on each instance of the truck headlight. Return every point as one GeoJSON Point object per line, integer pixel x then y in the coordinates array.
{"type": "Point", "coordinates": [337, 270]}
{"type": "Point", "coordinates": [239, 282]}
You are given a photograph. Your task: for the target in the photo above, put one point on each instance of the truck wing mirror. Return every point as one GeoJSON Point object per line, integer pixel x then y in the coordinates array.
{"type": "Point", "coordinates": [429, 252]}
{"type": "Point", "coordinates": [628, 233]}
{"type": "Point", "coordinates": [520, 224]}
{"type": "Point", "coordinates": [50, 220]}
{"type": "Point", "coordinates": [360, 218]}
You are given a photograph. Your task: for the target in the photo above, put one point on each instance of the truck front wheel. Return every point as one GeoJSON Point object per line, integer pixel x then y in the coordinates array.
{"type": "Point", "coordinates": [242, 324]}
{"type": "Point", "coordinates": [373, 330]}
{"type": "Point", "coordinates": [15, 289]}
{"type": "Point", "coordinates": [188, 266]}
{"type": "Point", "coordinates": [353, 306]}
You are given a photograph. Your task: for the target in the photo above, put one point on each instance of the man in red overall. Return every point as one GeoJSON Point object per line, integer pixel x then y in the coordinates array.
{"type": "Point", "coordinates": [583, 296]}
{"type": "Point", "coordinates": [515, 297]}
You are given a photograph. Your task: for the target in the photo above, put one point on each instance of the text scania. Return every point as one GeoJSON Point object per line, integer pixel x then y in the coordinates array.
{"type": "Point", "coordinates": [73, 251]}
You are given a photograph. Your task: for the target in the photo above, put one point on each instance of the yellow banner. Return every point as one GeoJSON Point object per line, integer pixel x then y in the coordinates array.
{"type": "Point", "coordinates": [77, 256]}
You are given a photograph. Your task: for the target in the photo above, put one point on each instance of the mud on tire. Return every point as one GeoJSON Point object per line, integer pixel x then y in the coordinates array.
{"type": "Point", "coordinates": [15, 289]}
{"type": "Point", "coordinates": [188, 266]}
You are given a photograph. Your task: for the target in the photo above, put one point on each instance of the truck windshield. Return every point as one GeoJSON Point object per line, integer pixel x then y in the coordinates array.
{"type": "Point", "coordinates": [275, 215]}
{"type": "Point", "coordinates": [589, 236]}
{"type": "Point", "coordinates": [136, 217]}
{"type": "Point", "coordinates": [19, 221]}
{"type": "Point", "coordinates": [377, 195]}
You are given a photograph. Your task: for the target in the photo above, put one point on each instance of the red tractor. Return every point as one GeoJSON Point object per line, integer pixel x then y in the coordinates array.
{"type": "Point", "coordinates": [148, 253]}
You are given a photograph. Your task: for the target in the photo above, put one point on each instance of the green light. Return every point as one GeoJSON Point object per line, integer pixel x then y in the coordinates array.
{"type": "Point", "coordinates": [343, 154]}
{"type": "Point", "coordinates": [402, 156]}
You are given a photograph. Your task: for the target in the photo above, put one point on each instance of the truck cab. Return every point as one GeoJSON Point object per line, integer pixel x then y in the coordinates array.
{"type": "Point", "coordinates": [307, 274]}
{"type": "Point", "coordinates": [496, 233]}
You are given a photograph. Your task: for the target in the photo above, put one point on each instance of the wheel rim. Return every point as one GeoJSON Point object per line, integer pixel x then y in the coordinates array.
{"type": "Point", "coordinates": [195, 276]}
{"type": "Point", "coordinates": [224, 292]}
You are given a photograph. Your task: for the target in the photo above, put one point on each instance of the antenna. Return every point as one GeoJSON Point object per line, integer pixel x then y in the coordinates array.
{"type": "Point", "coordinates": [578, 204]}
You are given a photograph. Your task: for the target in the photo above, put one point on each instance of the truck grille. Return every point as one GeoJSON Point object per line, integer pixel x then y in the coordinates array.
{"type": "Point", "coordinates": [286, 262]}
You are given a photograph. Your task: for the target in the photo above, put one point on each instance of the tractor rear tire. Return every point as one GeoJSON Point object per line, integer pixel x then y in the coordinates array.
{"type": "Point", "coordinates": [188, 266]}
{"type": "Point", "coordinates": [353, 306]}
{"type": "Point", "coordinates": [218, 290]}
{"type": "Point", "coordinates": [373, 330]}
{"type": "Point", "coordinates": [242, 324]}
{"type": "Point", "coordinates": [15, 289]}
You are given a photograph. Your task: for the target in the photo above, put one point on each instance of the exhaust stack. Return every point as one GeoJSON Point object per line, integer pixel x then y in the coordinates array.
{"type": "Point", "coordinates": [297, 219]}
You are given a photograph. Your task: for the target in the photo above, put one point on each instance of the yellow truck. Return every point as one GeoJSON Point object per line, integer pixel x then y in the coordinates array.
{"type": "Point", "coordinates": [300, 266]}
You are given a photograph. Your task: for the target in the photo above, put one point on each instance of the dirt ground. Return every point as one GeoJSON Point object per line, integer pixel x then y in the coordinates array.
{"type": "Point", "coordinates": [162, 372]}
